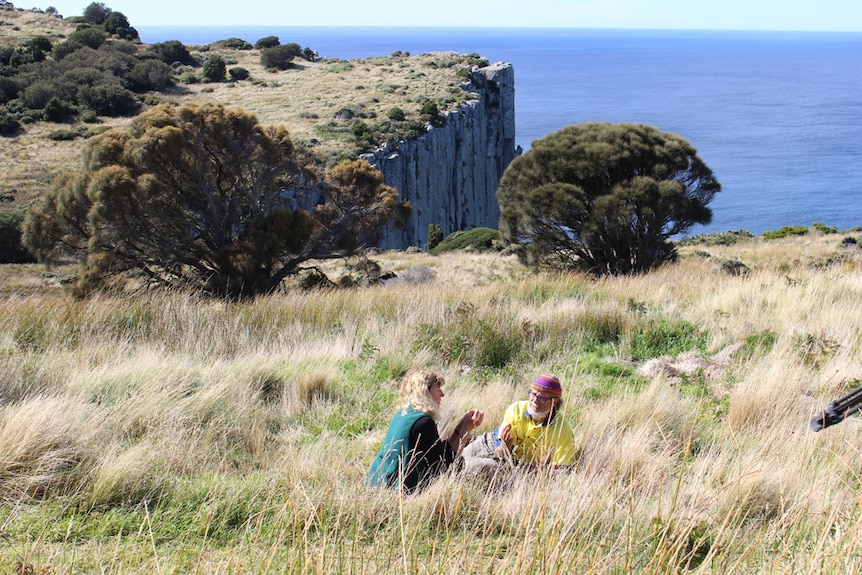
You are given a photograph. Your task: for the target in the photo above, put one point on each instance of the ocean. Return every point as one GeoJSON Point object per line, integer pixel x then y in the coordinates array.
{"type": "Point", "coordinates": [777, 116]}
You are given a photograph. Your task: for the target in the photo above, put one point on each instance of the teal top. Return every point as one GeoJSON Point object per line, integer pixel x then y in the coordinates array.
{"type": "Point", "coordinates": [411, 453]}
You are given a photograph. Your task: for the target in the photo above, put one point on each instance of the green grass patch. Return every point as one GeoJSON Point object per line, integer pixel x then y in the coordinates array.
{"type": "Point", "coordinates": [784, 232]}
{"type": "Point", "coordinates": [654, 338]}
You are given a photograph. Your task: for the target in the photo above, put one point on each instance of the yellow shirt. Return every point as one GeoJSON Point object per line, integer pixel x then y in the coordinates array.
{"type": "Point", "coordinates": [535, 443]}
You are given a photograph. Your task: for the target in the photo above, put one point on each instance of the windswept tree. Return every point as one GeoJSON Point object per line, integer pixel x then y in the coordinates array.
{"type": "Point", "coordinates": [96, 13]}
{"type": "Point", "coordinates": [604, 198]}
{"type": "Point", "coordinates": [204, 197]}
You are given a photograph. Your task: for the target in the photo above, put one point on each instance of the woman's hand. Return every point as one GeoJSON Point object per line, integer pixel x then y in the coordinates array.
{"type": "Point", "coordinates": [471, 420]}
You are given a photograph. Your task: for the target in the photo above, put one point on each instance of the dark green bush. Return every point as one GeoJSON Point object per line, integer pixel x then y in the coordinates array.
{"type": "Point", "coordinates": [267, 42]}
{"type": "Point", "coordinates": [56, 110]}
{"type": "Point", "coordinates": [96, 13]}
{"type": "Point", "coordinates": [172, 51]}
{"type": "Point", "coordinates": [90, 37]}
{"type": "Point", "coordinates": [9, 125]}
{"type": "Point", "coordinates": [215, 69]}
{"type": "Point", "coordinates": [11, 250]}
{"type": "Point", "coordinates": [148, 75]}
{"type": "Point", "coordinates": [396, 114]}
{"type": "Point", "coordinates": [64, 135]}
{"type": "Point", "coordinates": [235, 44]}
{"type": "Point", "coordinates": [110, 100]}
{"type": "Point", "coordinates": [117, 24]}
{"type": "Point", "coordinates": [63, 49]}
{"type": "Point", "coordinates": [238, 73]}
{"type": "Point", "coordinates": [429, 110]}
{"type": "Point", "coordinates": [278, 57]}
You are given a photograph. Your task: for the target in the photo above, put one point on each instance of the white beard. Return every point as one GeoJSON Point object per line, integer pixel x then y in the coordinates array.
{"type": "Point", "coordinates": [539, 416]}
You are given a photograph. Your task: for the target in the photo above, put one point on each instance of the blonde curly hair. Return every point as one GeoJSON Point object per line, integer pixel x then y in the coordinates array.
{"type": "Point", "coordinates": [416, 391]}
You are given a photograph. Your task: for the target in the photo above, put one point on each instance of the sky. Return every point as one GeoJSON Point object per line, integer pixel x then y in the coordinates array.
{"type": "Point", "coordinates": [795, 15]}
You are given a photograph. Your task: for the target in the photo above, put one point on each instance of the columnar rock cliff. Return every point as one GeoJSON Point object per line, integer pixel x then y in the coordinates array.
{"type": "Point", "coordinates": [450, 174]}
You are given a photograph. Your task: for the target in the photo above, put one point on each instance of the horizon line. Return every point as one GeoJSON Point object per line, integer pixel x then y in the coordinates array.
{"type": "Point", "coordinates": [466, 27]}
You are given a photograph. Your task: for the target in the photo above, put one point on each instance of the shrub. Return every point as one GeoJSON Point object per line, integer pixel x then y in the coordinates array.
{"type": "Point", "coordinates": [734, 267]}
{"type": "Point", "coordinates": [235, 43]}
{"type": "Point", "coordinates": [117, 24]}
{"type": "Point", "coordinates": [429, 110]}
{"type": "Point", "coordinates": [8, 89]}
{"type": "Point", "coordinates": [90, 37]}
{"type": "Point", "coordinates": [479, 239]}
{"type": "Point", "coordinates": [110, 100]}
{"type": "Point", "coordinates": [823, 228]}
{"type": "Point", "coordinates": [36, 95]}
{"type": "Point", "coordinates": [90, 117]}
{"type": "Point", "coordinates": [784, 232]}
{"type": "Point", "coordinates": [172, 51]}
{"type": "Point", "coordinates": [150, 75]}
{"type": "Point", "coordinates": [96, 13]}
{"type": "Point", "coordinates": [435, 236]}
{"type": "Point", "coordinates": [717, 239]}
{"type": "Point", "coordinates": [396, 114]}
{"type": "Point", "coordinates": [64, 135]}
{"type": "Point", "coordinates": [56, 110]}
{"type": "Point", "coordinates": [238, 73]}
{"type": "Point", "coordinates": [215, 69]}
{"type": "Point", "coordinates": [267, 42]}
{"type": "Point", "coordinates": [11, 250]}
{"type": "Point", "coordinates": [278, 57]}
{"type": "Point", "coordinates": [9, 125]}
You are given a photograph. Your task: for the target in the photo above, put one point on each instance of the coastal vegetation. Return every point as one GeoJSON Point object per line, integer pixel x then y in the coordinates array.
{"type": "Point", "coordinates": [604, 198]}
{"type": "Point", "coordinates": [332, 109]}
{"type": "Point", "coordinates": [194, 197]}
{"type": "Point", "coordinates": [158, 429]}
{"type": "Point", "coordinates": [166, 432]}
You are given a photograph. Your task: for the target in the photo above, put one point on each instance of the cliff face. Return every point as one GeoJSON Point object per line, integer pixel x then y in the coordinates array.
{"type": "Point", "coordinates": [450, 174]}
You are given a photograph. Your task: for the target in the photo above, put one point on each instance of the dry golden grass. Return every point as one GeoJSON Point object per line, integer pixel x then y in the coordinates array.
{"type": "Point", "coordinates": [164, 432]}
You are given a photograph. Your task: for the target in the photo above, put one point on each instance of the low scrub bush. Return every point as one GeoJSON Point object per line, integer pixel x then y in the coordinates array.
{"type": "Point", "coordinates": [278, 57]}
{"type": "Point", "coordinates": [784, 232]}
{"type": "Point", "coordinates": [267, 42]}
{"type": "Point", "coordinates": [238, 73]}
{"type": "Point", "coordinates": [477, 239]}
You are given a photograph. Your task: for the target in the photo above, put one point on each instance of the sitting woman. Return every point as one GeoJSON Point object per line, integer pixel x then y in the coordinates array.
{"type": "Point", "coordinates": [412, 453]}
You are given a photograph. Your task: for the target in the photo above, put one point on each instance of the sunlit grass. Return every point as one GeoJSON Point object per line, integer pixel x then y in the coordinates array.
{"type": "Point", "coordinates": [163, 432]}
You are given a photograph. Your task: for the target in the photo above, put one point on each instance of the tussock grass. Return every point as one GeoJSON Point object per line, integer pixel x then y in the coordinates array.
{"type": "Point", "coordinates": [163, 432]}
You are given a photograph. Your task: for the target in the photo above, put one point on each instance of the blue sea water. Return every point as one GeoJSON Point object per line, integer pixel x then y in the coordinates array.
{"type": "Point", "coordinates": [776, 115]}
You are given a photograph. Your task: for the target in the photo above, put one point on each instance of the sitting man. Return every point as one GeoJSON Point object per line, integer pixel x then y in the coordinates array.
{"type": "Point", "coordinates": [532, 433]}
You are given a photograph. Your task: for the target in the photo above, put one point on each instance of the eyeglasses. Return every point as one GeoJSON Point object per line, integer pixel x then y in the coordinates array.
{"type": "Point", "coordinates": [540, 398]}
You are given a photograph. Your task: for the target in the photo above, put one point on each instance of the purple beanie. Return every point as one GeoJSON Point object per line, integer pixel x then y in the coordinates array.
{"type": "Point", "coordinates": [548, 384]}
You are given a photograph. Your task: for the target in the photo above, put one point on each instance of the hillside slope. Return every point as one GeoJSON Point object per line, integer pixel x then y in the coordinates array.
{"type": "Point", "coordinates": [319, 102]}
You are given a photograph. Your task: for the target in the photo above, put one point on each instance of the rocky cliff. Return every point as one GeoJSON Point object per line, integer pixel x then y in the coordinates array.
{"type": "Point", "coordinates": [450, 174]}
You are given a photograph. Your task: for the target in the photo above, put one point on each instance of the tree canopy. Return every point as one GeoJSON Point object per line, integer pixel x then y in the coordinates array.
{"type": "Point", "coordinates": [203, 197]}
{"type": "Point", "coordinates": [604, 198]}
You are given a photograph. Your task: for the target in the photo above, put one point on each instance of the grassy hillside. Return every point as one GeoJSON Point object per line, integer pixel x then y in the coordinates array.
{"type": "Point", "coordinates": [168, 434]}
{"type": "Point", "coordinates": [305, 99]}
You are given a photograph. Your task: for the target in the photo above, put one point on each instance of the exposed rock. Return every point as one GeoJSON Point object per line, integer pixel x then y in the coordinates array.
{"type": "Point", "coordinates": [690, 362]}
{"type": "Point", "coordinates": [450, 174]}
